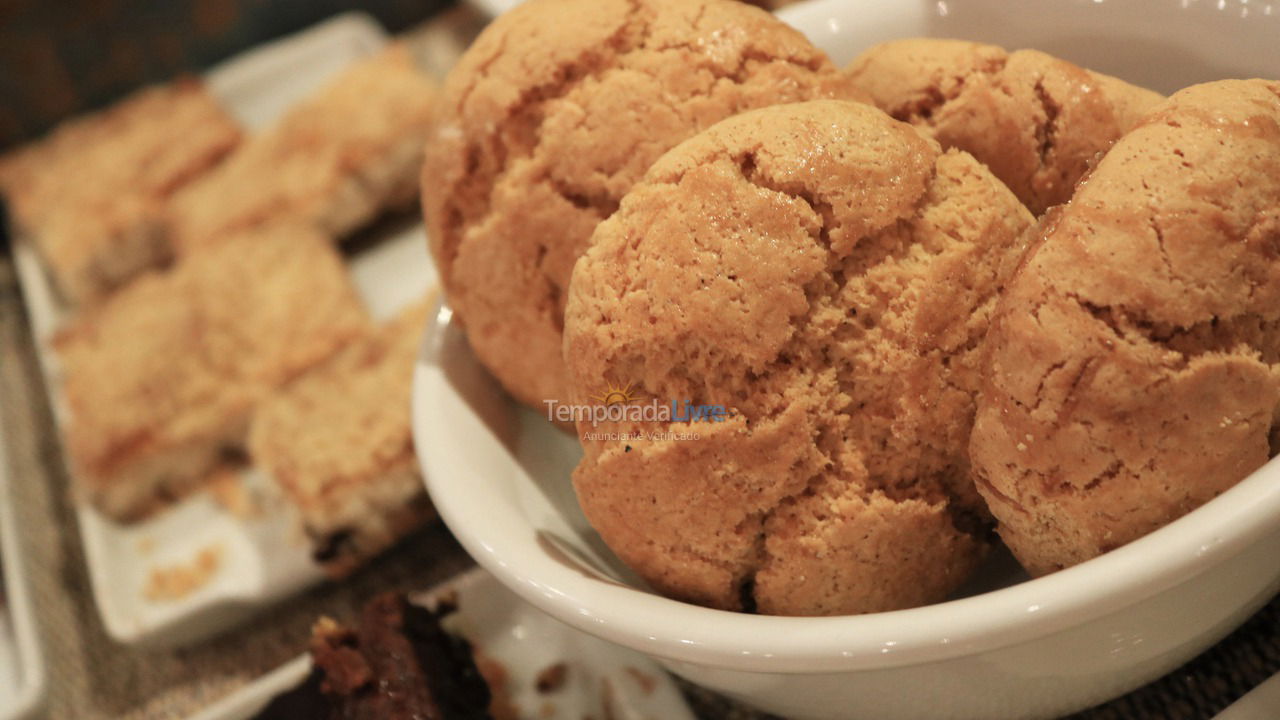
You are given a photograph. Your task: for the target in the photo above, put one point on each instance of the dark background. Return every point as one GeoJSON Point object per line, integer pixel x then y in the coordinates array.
{"type": "Point", "coordinates": [62, 57]}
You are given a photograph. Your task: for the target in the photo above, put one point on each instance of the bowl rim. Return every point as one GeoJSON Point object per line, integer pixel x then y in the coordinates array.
{"type": "Point", "coordinates": [498, 536]}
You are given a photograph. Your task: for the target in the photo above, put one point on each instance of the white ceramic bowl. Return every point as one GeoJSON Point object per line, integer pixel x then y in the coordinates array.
{"type": "Point", "coordinates": [1008, 647]}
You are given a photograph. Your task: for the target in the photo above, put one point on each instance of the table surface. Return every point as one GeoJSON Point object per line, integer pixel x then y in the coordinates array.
{"type": "Point", "coordinates": [91, 677]}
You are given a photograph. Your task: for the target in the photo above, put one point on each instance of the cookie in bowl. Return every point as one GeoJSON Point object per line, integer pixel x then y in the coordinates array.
{"type": "Point", "coordinates": [1036, 120]}
{"type": "Point", "coordinates": [550, 117]}
{"type": "Point", "coordinates": [1135, 357]}
{"type": "Point", "coordinates": [815, 279]}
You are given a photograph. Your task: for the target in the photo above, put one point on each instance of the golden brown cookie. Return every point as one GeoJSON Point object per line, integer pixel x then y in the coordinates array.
{"type": "Point", "coordinates": [1134, 358]}
{"type": "Point", "coordinates": [1035, 120]}
{"type": "Point", "coordinates": [91, 195]}
{"type": "Point", "coordinates": [550, 117]}
{"type": "Point", "coordinates": [825, 274]}
{"type": "Point", "coordinates": [336, 160]}
{"type": "Point", "coordinates": [162, 377]}
{"type": "Point", "coordinates": [337, 444]}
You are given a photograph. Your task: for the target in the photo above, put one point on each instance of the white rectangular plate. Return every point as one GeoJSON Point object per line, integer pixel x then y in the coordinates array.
{"type": "Point", "coordinates": [525, 641]}
{"type": "Point", "coordinates": [260, 558]}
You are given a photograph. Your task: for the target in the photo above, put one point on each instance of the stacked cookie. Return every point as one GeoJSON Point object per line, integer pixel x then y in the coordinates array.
{"type": "Point", "coordinates": [890, 358]}
{"type": "Point", "coordinates": [1036, 121]}
{"type": "Point", "coordinates": [1134, 368]}
{"type": "Point", "coordinates": [555, 111]}
{"type": "Point", "coordinates": [828, 273]}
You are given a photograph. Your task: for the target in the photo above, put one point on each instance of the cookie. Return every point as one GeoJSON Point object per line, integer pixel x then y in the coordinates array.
{"type": "Point", "coordinates": [336, 160]}
{"type": "Point", "coordinates": [1037, 121]}
{"type": "Point", "coordinates": [555, 111]}
{"type": "Point", "coordinates": [91, 194]}
{"type": "Point", "coordinates": [813, 280]}
{"type": "Point", "coordinates": [1135, 358]}
{"type": "Point", "coordinates": [161, 378]}
{"type": "Point", "coordinates": [337, 444]}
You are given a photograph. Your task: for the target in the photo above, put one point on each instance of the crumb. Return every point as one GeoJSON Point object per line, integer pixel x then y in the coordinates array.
{"type": "Point", "coordinates": [647, 682]}
{"type": "Point", "coordinates": [551, 678]}
{"type": "Point", "coordinates": [228, 489]}
{"type": "Point", "coordinates": [607, 699]}
{"type": "Point", "coordinates": [168, 584]}
{"type": "Point", "coordinates": [146, 544]}
{"type": "Point", "coordinates": [495, 674]}
{"type": "Point", "coordinates": [447, 601]}
{"type": "Point", "coordinates": [547, 709]}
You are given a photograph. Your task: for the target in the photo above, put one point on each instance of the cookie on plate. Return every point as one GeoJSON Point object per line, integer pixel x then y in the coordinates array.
{"type": "Point", "coordinates": [162, 377]}
{"type": "Point", "coordinates": [1135, 358]}
{"type": "Point", "coordinates": [805, 288]}
{"type": "Point", "coordinates": [335, 160]}
{"type": "Point", "coordinates": [1037, 121]}
{"type": "Point", "coordinates": [338, 444]}
{"type": "Point", "coordinates": [546, 122]}
{"type": "Point", "coordinates": [91, 194]}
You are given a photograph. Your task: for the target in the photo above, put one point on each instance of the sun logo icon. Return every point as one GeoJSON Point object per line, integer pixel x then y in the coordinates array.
{"type": "Point", "coordinates": [618, 395]}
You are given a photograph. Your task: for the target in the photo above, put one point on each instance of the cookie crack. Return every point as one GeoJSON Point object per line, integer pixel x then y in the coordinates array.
{"type": "Point", "coordinates": [593, 62]}
{"type": "Point", "coordinates": [822, 294]}
{"type": "Point", "coordinates": [1246, 335]}
{"type": "Point", "coordinates": [601, 203]}
{"type": "Point", "coordinates": [482, 74]}
{"type": "Point", "coordinates": [925, 109]}
{"type": "Point", "coordinates": [1154, 223]}
{"type": "Point", "coordinates": [1216, 335]}
{"type": "Point", "coordinates": [749, 170]}
{"type": "Point", "coordinates": [1056, 367]}
{"type": "Point", "coordinates": [740, 75]}
{"type": "Point", "coordinates": [820, 207]}
{"type": "Point", "coordinates": [1046, 132]}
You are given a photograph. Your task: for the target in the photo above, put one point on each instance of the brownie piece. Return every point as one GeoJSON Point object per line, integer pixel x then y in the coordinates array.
{"type": "Point", "coordinates": [398, 663]}
{"type": "Point", "coordinates": [304, 701]}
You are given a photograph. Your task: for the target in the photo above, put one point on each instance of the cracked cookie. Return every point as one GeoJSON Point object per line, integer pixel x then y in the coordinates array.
{"type": "Point", "coordinates": [550, 117]}
{"type": "Point", "coordinates": [1134, 367]}
{"type": "Point", "coordinates": [824, 274]}
{"type": "Point", "coordinates": [1035, 120]}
